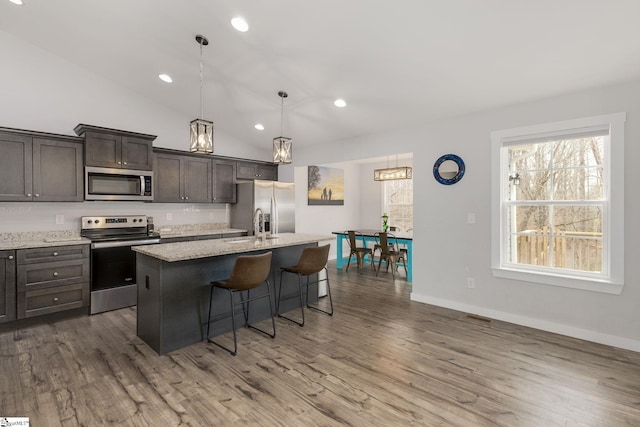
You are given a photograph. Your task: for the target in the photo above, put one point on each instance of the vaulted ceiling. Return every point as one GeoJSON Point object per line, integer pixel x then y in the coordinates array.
{"type": "Point", "coordinates": [395, 63]}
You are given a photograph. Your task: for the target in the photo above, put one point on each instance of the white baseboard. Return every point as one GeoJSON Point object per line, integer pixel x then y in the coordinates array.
{"type": "Point", "coordinates": [544, 325]}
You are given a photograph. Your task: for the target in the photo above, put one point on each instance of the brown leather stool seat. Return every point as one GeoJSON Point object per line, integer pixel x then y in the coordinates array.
{"type": "Point", "coordinates": [249, 272]}
{"type": "Point", "coordinates": [312, 261]}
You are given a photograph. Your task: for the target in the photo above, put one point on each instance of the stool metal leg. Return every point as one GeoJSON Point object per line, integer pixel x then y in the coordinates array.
{"type": "Point", "coordinates": [233, 323]}
{"type": "Point", "coordinates": [330, 313]}
{"type": "Point", "coordinates": [301, 301]}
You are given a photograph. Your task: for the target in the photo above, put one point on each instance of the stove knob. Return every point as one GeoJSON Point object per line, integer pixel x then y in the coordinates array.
{"type": "Point", "coordinates": [96, 221]}
{"type": "Point", "coordinates": [90, 222]}
{"type": "Point", "coordinates": [135, 219]}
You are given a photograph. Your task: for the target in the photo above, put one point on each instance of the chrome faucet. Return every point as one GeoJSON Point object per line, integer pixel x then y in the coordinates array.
{"type": "Point", "coordinates": [258, 222]}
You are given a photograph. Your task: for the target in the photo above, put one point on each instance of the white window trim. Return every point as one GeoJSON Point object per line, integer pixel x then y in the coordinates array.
{"type": "Point", "coordinates": [613, 282]}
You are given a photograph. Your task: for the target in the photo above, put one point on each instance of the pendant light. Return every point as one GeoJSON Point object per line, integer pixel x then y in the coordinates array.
{"type": "Point", "coordinates": [282, 144]}
{"type": "Point", "coordinates": [390, 174]}
{"type": "Point", "coordinates": [201, 131]}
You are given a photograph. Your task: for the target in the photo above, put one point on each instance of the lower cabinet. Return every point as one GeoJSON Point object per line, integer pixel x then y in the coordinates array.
{"type": "Point", "coordinates": [7, 286]}
{"type": "Point", "coordinates": [51, 279]}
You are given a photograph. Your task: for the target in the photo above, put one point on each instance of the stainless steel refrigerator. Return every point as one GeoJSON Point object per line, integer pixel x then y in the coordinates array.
{"type": "Point", "coordinates": [276, 200]}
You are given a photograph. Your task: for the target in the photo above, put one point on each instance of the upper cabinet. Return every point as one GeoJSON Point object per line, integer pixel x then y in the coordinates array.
{"type": "Point", "coordinates": [256, 170]}
{"type": "Point", "coordinates": [37, 166]}
{"type": "Point", "coordinates": [182, 178]}
{"type": "Point", "coordinates": [224, 181]}
{"type": "Point", "coordinates": [111, 148]}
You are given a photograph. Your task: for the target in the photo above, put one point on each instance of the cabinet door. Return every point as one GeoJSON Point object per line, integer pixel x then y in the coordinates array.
{"type": "Point", "coordinates": [7, 286]}
{"type": "Point", "coordinates": [137, 153]}
{"type": "Point", "coordinates": [103, 150]}
{"type": "Point", "coordinates": [224, 182]}
{"type": "Point", "coordinates": [167, 178]}
{"type": "Point", "coordinates": [57, 171]}
{"type": "Point", "coordinates": [16, 176]}
{"type": "Point", "coordinates": [269, 172]}
{"type": "Point", "coordinates": [246, 170]}
{"type": "Point", "coordinates": [196, 179]}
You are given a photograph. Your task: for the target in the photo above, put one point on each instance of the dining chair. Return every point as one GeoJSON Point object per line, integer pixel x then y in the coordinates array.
{"type": "Point", "coordinates": [359, 252]}
{"type": "Point", "coordinates": [376, 247]}
{"type": "Point", "coordinates": [249, 272]}
{"type": "Point", "coordinates": [388, 253]}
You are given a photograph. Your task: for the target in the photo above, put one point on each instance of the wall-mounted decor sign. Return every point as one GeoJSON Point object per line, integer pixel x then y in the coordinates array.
{"type": "Point", "coordinates": [325, 186]}
{"type": "Point", "coordinates": [448, 169]}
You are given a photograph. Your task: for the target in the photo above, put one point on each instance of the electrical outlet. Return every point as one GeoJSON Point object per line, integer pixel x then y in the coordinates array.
{"type": "Point", "coordinates": [471, 218]}
{"type": "Point", "coordinates": [471, 282]}
{"type": "Point", "coordinates": [169, 216]}
{"type": "Point", "coordinates": [59, 219]}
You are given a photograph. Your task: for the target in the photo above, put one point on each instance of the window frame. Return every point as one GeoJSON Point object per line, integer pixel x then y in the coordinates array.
{"type": "Point", "coordinates": [611, 280]}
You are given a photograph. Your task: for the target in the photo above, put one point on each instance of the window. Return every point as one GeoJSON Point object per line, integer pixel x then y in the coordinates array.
{"type": "Point", "coordinates": [397, 196]}
{"type": "Point", "coordinates": [558, 212]}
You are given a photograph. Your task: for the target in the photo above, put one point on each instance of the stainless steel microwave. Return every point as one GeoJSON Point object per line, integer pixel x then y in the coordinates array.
{"type": "Point", "coordinates": [117, 184]}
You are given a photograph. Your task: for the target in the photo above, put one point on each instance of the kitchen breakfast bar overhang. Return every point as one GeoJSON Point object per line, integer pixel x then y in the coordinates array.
{"type": "Point", "coordinates": [174, 284]}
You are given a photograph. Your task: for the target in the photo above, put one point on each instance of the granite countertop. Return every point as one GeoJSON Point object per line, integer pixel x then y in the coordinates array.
{"type": "Point", "coordinates": [41, 239]}
{"type": "Point", "coordinates": [195, 231]}
{"type": "Point", "coordinates": [182, 251]}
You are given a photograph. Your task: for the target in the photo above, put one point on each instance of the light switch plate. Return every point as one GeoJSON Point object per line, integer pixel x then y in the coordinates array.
{"type": "Point", "coordinates": [59, 219]}
{"type": "Point", "coordinates": [471, 218]}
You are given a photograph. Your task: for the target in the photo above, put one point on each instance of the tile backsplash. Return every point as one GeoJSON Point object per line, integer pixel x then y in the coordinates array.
{"type": "Point", "coordinates": [35, 216]}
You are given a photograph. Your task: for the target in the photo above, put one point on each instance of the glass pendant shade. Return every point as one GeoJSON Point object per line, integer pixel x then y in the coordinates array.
{"type": "Point", "coordinates": [282, 150]}
{"type": "Point", "coordinates": [390, 174]}
{"type": "Point", "coordinates": [201, 136]}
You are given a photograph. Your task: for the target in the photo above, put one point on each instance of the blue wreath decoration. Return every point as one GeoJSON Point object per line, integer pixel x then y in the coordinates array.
{"type": "Point", "coordinates": [442, 159]}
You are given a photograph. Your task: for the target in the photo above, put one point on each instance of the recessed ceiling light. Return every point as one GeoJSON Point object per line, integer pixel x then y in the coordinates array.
{"type": "Point", "coordinates": [165, 78]}
{"type": "Point", "coordinates": [18, 2]}
{"type": "Point", "coordinates": [340, 103]}
{"type": "Point", "coordinates": [259, 126]}
{"type": "Point", "coordinates": [240, 24]}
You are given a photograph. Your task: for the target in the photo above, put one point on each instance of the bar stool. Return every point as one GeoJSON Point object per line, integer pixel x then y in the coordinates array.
{"type": "Point", "coordinates": [359, 252]}
{"type": "Point", "coordinates": [249, 272]}
{"type": "Point", "coordinates": [312, 261]}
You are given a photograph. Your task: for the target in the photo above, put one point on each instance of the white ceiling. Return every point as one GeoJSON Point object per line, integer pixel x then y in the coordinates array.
{"type": "Point", "coordinates": [397, 63]}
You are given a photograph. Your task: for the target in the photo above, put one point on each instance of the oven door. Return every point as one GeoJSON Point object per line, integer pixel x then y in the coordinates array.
{"type": "Point", "coordinates": [113, 274]}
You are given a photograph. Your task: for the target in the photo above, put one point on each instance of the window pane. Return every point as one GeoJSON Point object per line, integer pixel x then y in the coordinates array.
{"type": "Point", "coordinates": [530, 219]}
{"type": "Point", "coordinates": [585, 221]}
{"type": "Point", "coordinates": [578, 254]}
{"type": "Point", "coordinates": [529, 157]}
{"type": "Point", "coordinates": [532, 249]}
{"type": "Point", "coordinates": [581, 152]}
{"type": "Point", "coordinates": [529, 186]}
{"type": "Point", "coordinates": [578, 184]}
{"type": "Point", "coordinates": [398, 203]}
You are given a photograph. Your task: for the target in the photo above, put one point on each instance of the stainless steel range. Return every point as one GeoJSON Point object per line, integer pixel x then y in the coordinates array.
{"type": "Point", "coordinates": [113, 263]}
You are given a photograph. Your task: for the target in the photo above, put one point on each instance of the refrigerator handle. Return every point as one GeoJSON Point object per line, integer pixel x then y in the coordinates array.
{"type": "Point", "coordinates": [274, 215]}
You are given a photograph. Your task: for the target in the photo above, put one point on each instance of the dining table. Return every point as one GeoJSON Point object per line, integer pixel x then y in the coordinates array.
{"type": "Point", "coordinates": [369, 235]}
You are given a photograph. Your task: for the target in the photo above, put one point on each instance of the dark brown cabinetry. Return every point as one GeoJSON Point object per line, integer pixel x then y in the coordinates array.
{"type": "Point", "coordinates": [40, 167]}
{"type": "Point", "coordinates": [7, 286]}
{"type": "Point", "coordinates": [182, 178]}
{"type": "Point", "coordinates": [111, 148]}
{"type": "Point", "coordinates": [255, 170]}
{"type": "Point", "coordinates": [51, 279]}
{"type": "Point", "coordinates": [224, 181]}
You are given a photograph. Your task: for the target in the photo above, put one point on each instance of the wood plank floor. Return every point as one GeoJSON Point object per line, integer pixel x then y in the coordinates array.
{"type": "Point", "coordinates": [381, 360]}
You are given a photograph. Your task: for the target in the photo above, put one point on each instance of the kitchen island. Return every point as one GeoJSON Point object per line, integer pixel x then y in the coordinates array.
{"type": "Point", "coordinates": [174, 283]}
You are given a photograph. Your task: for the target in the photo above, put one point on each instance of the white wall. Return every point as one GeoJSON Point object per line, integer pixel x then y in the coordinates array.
{"type": "Point", "coordinates": [45, 93]}
{"type": "Point", "coordinates": [447, 249]}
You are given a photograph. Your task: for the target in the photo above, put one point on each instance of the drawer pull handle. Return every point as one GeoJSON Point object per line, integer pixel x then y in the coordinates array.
{"type": "Point", "coordinates": [10, 256]}
{"type": "Point", "coordinates": [55, 299]}
{"type": "Point", "coordinates": [55, 273]}
{"type": "Point", "coordinates": [55, 254]}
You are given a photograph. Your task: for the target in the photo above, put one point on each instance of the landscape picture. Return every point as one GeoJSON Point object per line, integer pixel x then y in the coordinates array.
{"type": "Point", "coordinates": [325, 186]}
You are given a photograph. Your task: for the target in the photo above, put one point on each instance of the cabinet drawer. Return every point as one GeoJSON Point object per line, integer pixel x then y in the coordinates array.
{"type": "Point", "coordinates": [52, 274]}
{"type": "Point", "coordinates": [53, 253]}
{"type": "Point", "coordinates": [45, 301]}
